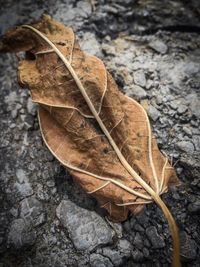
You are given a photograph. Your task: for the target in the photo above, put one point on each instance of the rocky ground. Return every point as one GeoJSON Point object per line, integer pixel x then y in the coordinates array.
{"type": "Point", "coordinates": [152, 48]}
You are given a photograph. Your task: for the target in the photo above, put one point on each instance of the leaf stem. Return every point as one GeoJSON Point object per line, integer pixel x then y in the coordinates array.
{"type": "Point", "coordinates": [173, 230]}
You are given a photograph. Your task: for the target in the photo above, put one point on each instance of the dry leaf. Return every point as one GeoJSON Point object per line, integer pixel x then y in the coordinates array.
{"type": "Point", "coordinates": [101, 136]}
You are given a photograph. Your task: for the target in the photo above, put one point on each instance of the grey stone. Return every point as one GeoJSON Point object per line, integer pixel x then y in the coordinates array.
{"type": "Point", "coordinates": [188, 247]}
{"type": "Point", "coordinates": [187, 130]}
{"type": "Point", "coordinates": [138, 92]}
{"type": "Point", "coordinates": [138, 243]}
{"type": "Point", "coordinates": [174, 104]}
{"type": "Point", "coordinates": [185, 146]}
{"type": "Point", "coordinates": [194, 107]}
{"type": "Point", "coordinates": [137, 255]}
{"type": "Point", "coordinates": [196, 141]}
{"type": "Point", "coordinates": [90, 44]}
{"type": "Point", "coordinates": [114, 255]}
{"type": "Point", "coordinates": [158, 46]}
{"type": "Point", "coordinates": [23, 190]}
{"type": "Point", "coordinates": [21, 176]}
{"type": "Point", "coordinates": [149, 84]}
{"type": "Point", "coordinates": [182, 109]}
{"type": "Point", "coordinates": [31, 107]}
{"type": "Point", "coordinates": [28, 121]}
{"type": "Point", "coordinates": [191, 68]}
{"type": "Point", "coordinates": [155, 239]}
{"type": "Point", "coordinates": [86, 229]}
{"type": "Point", "coordinates": [153, 113]}
{"type": "Point", "coordinates": [124, 247]}
{"type": "Point", "coordinates": [194, 207]}
{"type": "Point", "coordinates": [139, 78]}
{"type": "Point", "coordinates": [32, 211]}
{"type": "Point", "coordinates": [20, 234]}
{"type": "Point", "coordinates": [97, 260]}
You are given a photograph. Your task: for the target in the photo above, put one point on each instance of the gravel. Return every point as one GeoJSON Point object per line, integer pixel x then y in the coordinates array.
{"type": "Point", "coordinates": [152, 51]}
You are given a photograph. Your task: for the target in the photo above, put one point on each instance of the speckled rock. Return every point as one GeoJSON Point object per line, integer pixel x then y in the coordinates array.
{"type": "Point", "coordinates": [87, 229]}
{"type": "Point", "coordinates": [97, 260]}
{"type": "Point", "coordinates": [21, 235]}
{"type": "Point", "coordinates": [155, 239]}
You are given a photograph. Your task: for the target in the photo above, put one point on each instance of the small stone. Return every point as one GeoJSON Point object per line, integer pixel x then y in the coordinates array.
{"type": "Point", "coordinates": [155, 239]}
{"type": "Point", "coordinates": [14, 113]}
{"type": "Point", "coordinates": [31, 210]}
{"type": "Point", "coordinates": [86, 228]}
{"type": "Point", "coordinates": [138, 93]}
{"type": "Point", "coordinates": [196, 141]}
{"type": "Point", "coordinates": [20, 234]}
{"type": "Point", "coordinates": [139, 78]}
{"type": "Point", "coordinates": [188, 247]}
{"type": "Point", "coordinates": [185, 146]}
{"type": "Point", "coordinates": [138, 243]}
{"type": "Point", "coordinates": [153, 113]}
{"type": "Point", "coordinates": [97, 260]}
{"type": "Point", "coordinates": [28, 121]}
{"type": "Point", "coordinates": [23, 190]}
{"type": "Point", "coordinates": [159, 100]}
{"type": "Point", "coordinates": [194, 207]}
{"type": "Point", "coordinates": [114, 255]}
{"type": "Point", "coordinates": [187, 130]}
{"type": "Point", "coordinates": [137, 255]}
{"type": "Point", "coordinates": [174, 104]}
{"type": "Point", "coordinates": [124, 247]}
{"type": "Point", "coordinates": [145, 252]}
{"type": "Point", "coordinates": [21, 176]}
{"type": "Point", "coordinates": [149, 84]}
{"type": "Point", "coordinates": [90, 44]}
{"type": "Point", "coordinates": [182, 109]}
{"type": "Point", "coordinates": [31, 107]}
{"type": "Point", "coordinates": [194, 106]}
{"type": "Point", "coordinates": [158, 46]}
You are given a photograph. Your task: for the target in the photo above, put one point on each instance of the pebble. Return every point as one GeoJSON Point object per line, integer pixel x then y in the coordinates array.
{"type": "Point", "coordinates": [31, 107]}
{"type": "Point", "coordinates": [185, 146]}
{"type": "Point", "coordinates": [137, 255]}
{"type": "Point", "coordinates": [182, 109]}
{"type": "Point", "coordinates": [32, 211]}
{"type": "Point", "coordinates": [155, 239]}
{"type": "Point", "coordinates": [86, 228]}
{"type": "Point", "coordinates": [194, 207]}
{"type": "Point", "coordinates": [188, 247]}
{"type": "Point", "coordinates": [196, 141]}
{"type": "Point", "coordinates": [149, 84]}
{"type": "Point", "coordinates": [153, 113]}
{"type": "Point", "coordinates": [22, 190]}
{"type": "Point", "coordinates": [114, 255]}
{"type": "Point", "coordinates": [138, 243]}
{"type": "Point", "coordinates": [187, 130]}
{"type": "Point", "coordinates": [90, 44]}
{"type": "Point", "coordinates": [139, 78]}
{"type": "Point", "coordinates": [20, 234]}
{"type": "Point", "coordinates": [97, 260]}
{"type": "Point", "coordinates": [158, 46]}
{"type": "Point", "coordinates": [138, 92]}
{"type": "Point", "coordinates": [124, 247]}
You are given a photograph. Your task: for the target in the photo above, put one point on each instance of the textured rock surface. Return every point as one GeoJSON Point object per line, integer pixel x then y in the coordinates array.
{"type": "Point", "coordinates": [152, 50]}
{"type": "Point", "coordinates": [86, 228]}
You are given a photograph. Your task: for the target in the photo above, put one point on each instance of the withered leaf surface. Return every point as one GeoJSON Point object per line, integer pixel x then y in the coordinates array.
{"type": "Point", "coordinates": [101, 136]}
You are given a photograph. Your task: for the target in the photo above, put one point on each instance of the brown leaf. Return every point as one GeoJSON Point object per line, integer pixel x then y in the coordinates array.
{"type": "Point", "coordinates": [100, 135]}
